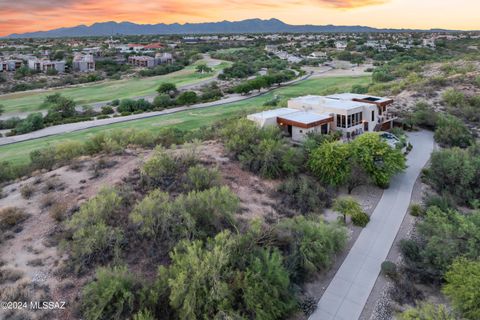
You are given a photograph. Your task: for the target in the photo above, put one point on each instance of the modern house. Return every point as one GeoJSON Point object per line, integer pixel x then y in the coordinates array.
{"type": "Point", "coordinates": [43, 65]}
{"type": "Point", "coordinates": [10, 65]}
{"type": "Point", "coordinates": [142, 61]}
{"type": "Point", "coordinates": [83, 62]}
{"type": "Point", "coordinates": [351, 114]}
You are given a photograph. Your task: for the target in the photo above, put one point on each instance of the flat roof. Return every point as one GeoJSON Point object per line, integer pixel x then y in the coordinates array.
{"type": "Point", "coordinates": [306, 117]}
{"type": "Point", "coordinates": [329, 102]}
{"type": "Point", "coordinates": [351, 96]}
{"type": "Point", "coordinates": [273, 113]}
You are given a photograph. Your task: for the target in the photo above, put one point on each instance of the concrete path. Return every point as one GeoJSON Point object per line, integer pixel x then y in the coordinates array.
{"type": "Point", "coordinates": [348, 292]}
{"type": "Point", "coordinates": [77, 126]}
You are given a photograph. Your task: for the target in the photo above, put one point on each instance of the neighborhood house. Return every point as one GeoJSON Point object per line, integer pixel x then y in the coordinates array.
{"type": "Point", "coordinates": [352, 114]}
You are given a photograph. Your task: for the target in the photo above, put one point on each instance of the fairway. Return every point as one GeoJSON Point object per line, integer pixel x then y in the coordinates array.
{"type": "Point", "coordinates": [106, 91]}
{"type": "Point", "coordinates": [186, 120]}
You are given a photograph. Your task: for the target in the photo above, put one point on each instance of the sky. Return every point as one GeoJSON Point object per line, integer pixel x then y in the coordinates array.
{"type": "Point", "coordinates": [18, 16]}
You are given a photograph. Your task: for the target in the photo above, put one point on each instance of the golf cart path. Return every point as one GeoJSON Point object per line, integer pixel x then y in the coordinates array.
{"type": "Point", "coordinates": [71, 127]}
{"type": "Point", "coordinates": [348, 291]}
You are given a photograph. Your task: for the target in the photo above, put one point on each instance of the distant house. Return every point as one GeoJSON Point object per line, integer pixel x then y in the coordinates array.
{"type": "Point", "coordinates": [352, 114]}
{"type": "Point", "coordinates": [318, 55]}
{"type": "Point", "coordinates": [83, 62]}
{"type": "Point", "coordinates": [43, 65]}
{"type": "Point", "coordinates": [10, 65]}
{"type": "Point", "coordinates": [164, 57]}
{"type": "Point", "coordinates": [142, 61]}
{"type": "Point", "coordinates": [341, 45]}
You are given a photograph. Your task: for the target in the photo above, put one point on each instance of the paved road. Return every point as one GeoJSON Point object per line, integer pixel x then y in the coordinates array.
{"type": "Point", "coordinates": [71, 127]}
{"type": "Point", "coordinates": [348, 292]}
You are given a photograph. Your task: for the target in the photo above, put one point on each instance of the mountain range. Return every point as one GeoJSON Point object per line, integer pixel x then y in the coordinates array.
{"type": "Point", "coordinates": [111, 28]}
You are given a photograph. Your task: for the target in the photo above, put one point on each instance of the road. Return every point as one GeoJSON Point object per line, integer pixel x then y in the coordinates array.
{"type": "Point", "coordinates": [348, 291]}
{"type": "Point", "coordinates": [70, 127]}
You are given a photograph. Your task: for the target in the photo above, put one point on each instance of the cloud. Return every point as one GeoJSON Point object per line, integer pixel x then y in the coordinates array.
{"type": "Point", "coordinates": [350, 4]}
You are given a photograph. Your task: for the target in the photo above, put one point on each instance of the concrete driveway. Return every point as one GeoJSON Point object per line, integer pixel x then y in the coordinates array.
{"type": "Point", "coordinates": [348, 292]}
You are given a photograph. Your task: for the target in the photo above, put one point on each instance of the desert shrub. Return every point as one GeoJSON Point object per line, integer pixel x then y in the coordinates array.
{"type": "Point", "coordinates": [11, 217]}
{"type": "Point", "coordinates": [111, 295]}
{"type": "Point", "coordinates": [444, 202]}
{"type": "Point", "coordinates": [187, 98]}
{"type": "Point", "coordinates": [157, 218]}
{"type": "Point", "coordinates": [9, 275]}
{"type": "Point", "coordinates": [389, 269]}
{"type": "Point", "coordinates": [424, 115]}
{"type": "Point", "coordinates": [163, 101]}
{"type": "Point", "coordinates": [304, 194]}
{"type": "Point", "coordinates": [160, 170]}
{"type": "Point", "coordinates": [452, 132]}
{"type": "Point", "coordinates": [416, 209]}
{"type": "Point", "coordinates": [427, 311]}
{"type": "Point", "coordinates": [348, 206]}
{"type": "Point", "coordinates": [92, 237]}
{"type": "Point", "coordinates": [52, 184]}
{"type": "Point", "coordinates": [199, 178]}
{"type": "Point", "coordinates": [58, 210]}
{"type": "Point", "coordinates": [443, 236]}
{"type": "Point", "coordinates": [266, 286]}
{"type": "Point", "coordinates": [144, 315]}
{"type": "Point", "coordinates": [43, 158]}
{"type": "Point", "coordinates": [462, 283]}
{"type": "Point", "coordinates": [455, 172]}
{"type": "Point", "coordinates": [67, 150]}
{"type": "Point", "coordinates": [27, 191]}
{"type": "Point", "coordinates": [107, 110]}
{"type": "Point", "coordinates": [309, 245]}
{"type": "Point", "coordinates": [360, 219]}
{"type": "Point", "coordinates": [212, 210]}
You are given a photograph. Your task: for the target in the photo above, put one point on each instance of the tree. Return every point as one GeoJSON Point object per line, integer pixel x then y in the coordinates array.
{"type": "Point", "coordinates": [203, 68]}
{"type": "Point", "coordinates": [32, 122]}
{"type": "Point", "coordinates": [163, 101]}
{"type": "Point", "coordinates": [65, 107]}
{"type": "Point", "coordinates": [330, 163]}
{"type": "Point", "coordinates": [187, 97]}
{"type": "Point", "coordinates": [427, 311]}
{"type": "Point", "coordinates": [167, 88]}
{"type": "Point", "coordinates": [452, 132]}
{"type": "Point", "coordinates": [377, 158]}
{"type": "Point", "coordinates": [347, 206]}
{"type": "Point", "coordinates": [357, 177]}
{"type": "Point", "coordinates": [462, 283]}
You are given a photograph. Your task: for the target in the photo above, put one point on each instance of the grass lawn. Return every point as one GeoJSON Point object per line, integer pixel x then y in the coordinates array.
{"type": "Point", "coordinates": [108, 90]}
{"type": "Point", "coordinates": [186, 120]}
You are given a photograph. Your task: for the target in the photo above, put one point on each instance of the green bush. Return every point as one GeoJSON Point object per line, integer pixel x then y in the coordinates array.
{"type": "Point", "coordinates": [309, 245]}
{"type": "Point", "coordinates": [348, 206]}
{"type": "Point", "coordinates": [160, 170]}
{"type": "Point", "coordinates": [304, 194]}
{"type": "Point", "coordinates": [199, 178]}
{"type": "Point", "coordinates": [187, 98]}
{"type": "Point", "coordinates": [427, 311]}
{"type": "Point", "coordinates": [67, 150]}
{"type": "Point", "coordinates": [360, 219]}
{"type": "Point", "coordinates": [158, 218]}
{"type": "Point", "coordinates": [94, 237]}
{"type": "Point", "coordinates": [452, 132]}
{"type": "Point", "coordinates": [416, 210]}
{"type": "Point", "coordinates": [462, 283]}
{"type": "Point", "coordinates": [389, 269]}
{"type": "Point", "coordinates": [111, 295]}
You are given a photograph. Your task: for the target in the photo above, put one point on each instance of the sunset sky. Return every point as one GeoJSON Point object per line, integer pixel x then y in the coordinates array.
{"type": "Point", "coordinates": [17, 16]}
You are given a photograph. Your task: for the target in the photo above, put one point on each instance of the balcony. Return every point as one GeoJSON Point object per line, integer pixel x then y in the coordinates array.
{"type": "Point", "coordinates": [386, 117]}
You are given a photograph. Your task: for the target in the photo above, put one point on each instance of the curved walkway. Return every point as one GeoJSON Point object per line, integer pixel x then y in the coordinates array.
{"type": "Point", "coordinates": [71, 127]}
{"type": "Point", "coordinates": [348, 291]}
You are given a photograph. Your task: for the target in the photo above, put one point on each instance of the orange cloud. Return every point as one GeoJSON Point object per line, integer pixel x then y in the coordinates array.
{"type": "Point", "coordinates": [348, 4]}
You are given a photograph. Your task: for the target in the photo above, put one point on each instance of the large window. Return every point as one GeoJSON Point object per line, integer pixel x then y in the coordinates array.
{"type": "Point", "coordinates": [350, 120]}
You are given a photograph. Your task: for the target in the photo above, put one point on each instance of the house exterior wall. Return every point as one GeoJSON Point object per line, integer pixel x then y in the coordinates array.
{"type": "Point", "coordinates": [300, 134]}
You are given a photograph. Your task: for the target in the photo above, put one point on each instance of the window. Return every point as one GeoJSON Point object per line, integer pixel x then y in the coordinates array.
{"type": "Point", "coordinates": [373, 115]}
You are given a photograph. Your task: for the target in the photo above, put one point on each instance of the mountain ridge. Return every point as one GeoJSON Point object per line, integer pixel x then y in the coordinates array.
{"type": "Point", "coordinates": [111, 28]}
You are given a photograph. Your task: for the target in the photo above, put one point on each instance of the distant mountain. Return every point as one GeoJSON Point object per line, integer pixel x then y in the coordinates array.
{"type": "Point", "coordinates": [223, 27]}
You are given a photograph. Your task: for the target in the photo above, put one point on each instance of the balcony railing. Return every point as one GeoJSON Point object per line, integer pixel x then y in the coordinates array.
{"type": "Point", "coordinates": [385, 117]}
